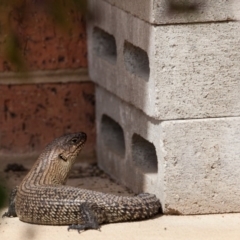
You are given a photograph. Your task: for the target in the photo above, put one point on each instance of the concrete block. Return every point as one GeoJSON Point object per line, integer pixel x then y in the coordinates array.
{"type": "Point", "coordinates": [180, 11]}
{"type": "Point", "coordinates": [169, 72]}
{"type": "Point", "coordinates": [191, 165]}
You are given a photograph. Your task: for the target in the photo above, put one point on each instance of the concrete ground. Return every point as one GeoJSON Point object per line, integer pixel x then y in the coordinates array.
{"type": "Point", "coordinates": [222, 226]}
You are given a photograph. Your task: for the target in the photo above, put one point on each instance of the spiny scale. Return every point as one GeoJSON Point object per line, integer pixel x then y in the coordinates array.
{"type": "Point", "coordinates": [43, 199]}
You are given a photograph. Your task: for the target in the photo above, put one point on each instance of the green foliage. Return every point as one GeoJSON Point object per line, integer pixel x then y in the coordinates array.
{"type": "Point", "coordinates": [12, 52]}
{"type": "Point", "coordinates": [3, 195]}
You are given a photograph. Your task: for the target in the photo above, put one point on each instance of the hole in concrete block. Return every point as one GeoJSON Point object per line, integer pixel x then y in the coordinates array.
{"type": "Point", "coordinates": [113, 135]}
{"type": "Point", "coordinates": [136, 60]}
{"type": "Point", "coordinates": [188, 6]}
{"type": "Point", "coordinates": [144, 154]}
{"type": "Point", "coordinates": [104, 45]}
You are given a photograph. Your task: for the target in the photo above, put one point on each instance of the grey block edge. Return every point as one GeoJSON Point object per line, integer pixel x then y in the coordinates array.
{"type": "Point", "coordinates": [193, 69]}
{"type": "Point", "coordinates": [197, 168]}
{"type": "Point", "coordinates": [184, 11]}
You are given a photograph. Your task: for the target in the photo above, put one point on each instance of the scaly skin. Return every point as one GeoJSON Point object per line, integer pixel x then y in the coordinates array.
{"type": "Point", "coordinates": [42, 198]}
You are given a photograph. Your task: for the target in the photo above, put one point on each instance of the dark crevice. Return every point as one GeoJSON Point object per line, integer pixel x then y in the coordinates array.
{"type": "Point", "coordinates": [136, 61]}
{"type": "Point", "coordinates": [104, 45]}
{"type": "Point", "coordinates": [144, 154]}
{"type": "Point", "coordinates": [112, 135]}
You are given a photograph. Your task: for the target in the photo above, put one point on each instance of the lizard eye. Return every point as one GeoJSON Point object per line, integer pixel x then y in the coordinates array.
{"type": "Point", "coordinates": [62, 157]}
{"type": "Point", "coordinates": [75, 140]}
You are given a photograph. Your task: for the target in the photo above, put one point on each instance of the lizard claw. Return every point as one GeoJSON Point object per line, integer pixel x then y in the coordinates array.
{"type": "Point", "coordinates": [82, 227]}
{"type": "Point", "coordinates": [9, 214]}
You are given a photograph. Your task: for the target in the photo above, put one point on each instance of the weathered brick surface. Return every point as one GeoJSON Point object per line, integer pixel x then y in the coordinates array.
{"type": "Point", "coordinates": [32, 115]}
{"type": "Point", "coordinates": [45, 45]}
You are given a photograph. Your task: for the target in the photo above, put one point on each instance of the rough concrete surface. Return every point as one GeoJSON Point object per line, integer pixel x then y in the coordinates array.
{"type": "Point", "coordinates": [169, 72]}
{"type": "Point", "coordinates": [180, 11]}
{"type": "Point", "coordinates": [191, 165]}
{"type": "Point", "coordinates": [209, 227]}
{"type": "Point", "coordinates": [219, 227]}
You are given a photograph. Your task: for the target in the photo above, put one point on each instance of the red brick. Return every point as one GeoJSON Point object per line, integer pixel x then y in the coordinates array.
{"type": "Point", "coordinates": [32, 115]}
{"type": "Point", "coordinates": [44, 44]}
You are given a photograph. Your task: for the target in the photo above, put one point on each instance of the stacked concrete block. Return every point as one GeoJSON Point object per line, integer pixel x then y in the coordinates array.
{"type": "Point", "coordinates": [180, 11]}
{"type": "Point", "coordinates": [168, 101]}
{"type": "Point", "coordinates": [169, 72]}
{"type": "Point", "coordinates": [191, 165]}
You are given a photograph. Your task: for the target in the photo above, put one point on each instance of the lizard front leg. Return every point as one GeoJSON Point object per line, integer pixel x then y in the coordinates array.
{"type": "Point", "coordinates": [11, 208]}
{"type": "Point", "coordinates": [90, 221]}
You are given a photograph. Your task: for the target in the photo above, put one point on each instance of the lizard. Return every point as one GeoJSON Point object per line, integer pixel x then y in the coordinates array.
{"type": "Point", "coordinates": [43, 198]}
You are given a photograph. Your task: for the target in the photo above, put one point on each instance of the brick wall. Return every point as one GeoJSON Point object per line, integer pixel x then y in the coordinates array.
{"type": "Point", "coordinates": [55, 96]}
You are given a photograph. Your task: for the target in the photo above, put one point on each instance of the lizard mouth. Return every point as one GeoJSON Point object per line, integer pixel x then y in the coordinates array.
{"type": "Point", "coordinates": [80, 145]}
{"type": "Point", "coordinates": [76, 143]}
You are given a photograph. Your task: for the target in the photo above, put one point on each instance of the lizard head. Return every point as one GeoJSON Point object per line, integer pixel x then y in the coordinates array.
{"type": "Point", "coordinates": [55, 162]}
{"type": "Point", "coordinates": [69, 146]}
